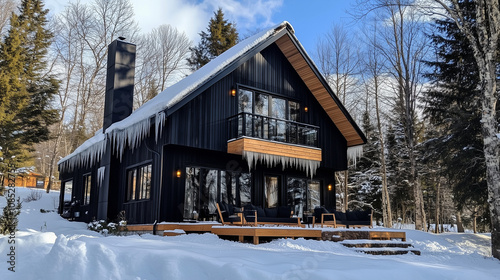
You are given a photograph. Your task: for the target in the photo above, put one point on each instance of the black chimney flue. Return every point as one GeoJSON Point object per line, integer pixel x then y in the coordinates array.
{"type": "Point", "coordinates": [119, 82]}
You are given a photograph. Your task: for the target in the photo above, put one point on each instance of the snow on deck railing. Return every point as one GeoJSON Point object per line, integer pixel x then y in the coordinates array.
{"type": "Point", "coordinates": [129, 132]}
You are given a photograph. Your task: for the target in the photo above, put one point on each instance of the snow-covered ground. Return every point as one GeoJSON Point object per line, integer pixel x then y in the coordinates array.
{"type": "Point", "coordinates": [49, 247]}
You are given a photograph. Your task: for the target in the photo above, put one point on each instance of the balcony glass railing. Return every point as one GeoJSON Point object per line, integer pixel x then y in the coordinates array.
{"type": "Point", "coordinates": [268, 128]}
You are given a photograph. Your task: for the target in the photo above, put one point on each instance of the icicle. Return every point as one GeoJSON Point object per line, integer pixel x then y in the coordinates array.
{"type": "Point", "coordinates": [88, 153]}
{"type": "Point", "coordinates": [100, 175]}
{"type": "Point", "coordinates": [130, 137]}
{"type": "Point", "coordinates": [354, 153]}
{"type": "Point", "coordinates": [309, 166]}
{"type": "Point", "coordinates": [159, 123]}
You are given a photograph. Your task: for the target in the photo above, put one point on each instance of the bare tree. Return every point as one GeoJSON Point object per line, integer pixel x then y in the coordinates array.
{"type": "Point", "coordinates": [339, 63]}
{"type": "Point", "coordinates": [88, 29]}
{"type": "Point", "coordinates": [374, 66]}
{"type": "Point", "coordinates": [161, 59]}
{"type": "Point", "coordinates": [404, 45]}
{"type": "Point", "coordinates": [483, 36]}
{"type": "Point", "coordinates": [82, 34]}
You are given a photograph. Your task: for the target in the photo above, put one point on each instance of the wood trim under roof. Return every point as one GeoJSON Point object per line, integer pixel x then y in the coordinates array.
{"type": "Point", "coordinates": [316, 84]}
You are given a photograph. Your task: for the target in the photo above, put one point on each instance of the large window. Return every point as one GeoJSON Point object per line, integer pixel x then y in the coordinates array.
{"type": "Point", "coordinates": [87, 186]}
{"type": "Point", "coordinates": [303, 195]}
{"type": "Point", "coordinates": [139, 182]}
{"type": "Point", "coordinates": [270, 117]}
{"type": "Point", "coordinates": [204, 187]}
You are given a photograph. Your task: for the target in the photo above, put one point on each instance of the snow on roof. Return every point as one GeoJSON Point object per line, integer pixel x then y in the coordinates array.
{"type": "Point", "coordinates": [135, 127]}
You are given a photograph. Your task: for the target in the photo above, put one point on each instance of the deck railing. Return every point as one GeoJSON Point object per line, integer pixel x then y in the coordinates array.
{"type": "Point", "coordinates": [274, 129]}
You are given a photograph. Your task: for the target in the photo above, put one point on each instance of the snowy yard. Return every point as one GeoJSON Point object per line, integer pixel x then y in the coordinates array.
{"type": "Point", "coordinates": [49, 247]}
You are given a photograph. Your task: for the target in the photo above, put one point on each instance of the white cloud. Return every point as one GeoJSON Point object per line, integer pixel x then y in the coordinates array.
{"type": "Point", "coordinates": [191, 16]}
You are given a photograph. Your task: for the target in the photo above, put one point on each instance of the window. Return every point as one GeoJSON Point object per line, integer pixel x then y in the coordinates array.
{"type": "Point", "coordinates": [68, 187]}
{"type": "Point", "coordinates": [313, 195]}
{"type": "Point", "coordinates": [303, 195]}
{"type": "Point", "coordinates": [204, 187]}
{"type": "Point", "coordinates": [271, 191]}
{"type": "Point", "coordinates": [139, 182]}
{"type": "Point", "coordinates": [87, 180]}
{"type": "Point", "coordinates": [270, 117]}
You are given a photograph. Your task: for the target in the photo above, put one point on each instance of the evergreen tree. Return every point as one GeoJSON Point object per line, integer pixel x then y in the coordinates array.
{"type": "Point", "coordinates": [220, 36]}
{"type": "Point", "coordinates": [398, 170]}
{"type": "Point", "coordinates": [8, 219]}
{"type": "Point", "coordinates": [367, 180]}
{"type": "Point", "coordinates": [25, 92]}
{"type": "Point", "coordinates": [453, 106]}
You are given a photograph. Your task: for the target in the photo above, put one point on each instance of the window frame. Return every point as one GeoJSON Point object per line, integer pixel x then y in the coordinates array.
{"type": "Point", "coordinates": [138, 183]}
{"type": "Point", "coordinates": [228, 177]}
{"type": "Point", "coordinates": [271, 95]}
{"type": "Point", "coordinates": [87, 188]}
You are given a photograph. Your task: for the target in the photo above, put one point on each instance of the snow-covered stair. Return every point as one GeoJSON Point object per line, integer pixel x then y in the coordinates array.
{"type": "Point", "coordinates": [380, 247]}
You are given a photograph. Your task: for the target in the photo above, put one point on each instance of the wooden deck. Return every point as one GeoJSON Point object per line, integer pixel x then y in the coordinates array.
{"type": "Point", "coordinates": [387, 235]}
{"type": "Point", "coordinates": [257, 232]}
{"type": "Point", "coordinates": [187, 227]}
{"type": "Point", "coordinates": [273, 232]}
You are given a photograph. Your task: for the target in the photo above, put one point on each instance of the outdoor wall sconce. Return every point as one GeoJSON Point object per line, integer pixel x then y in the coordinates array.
{"type": "Point", "coordinates": [178, 173]}
{"type": "Point", "coordinates": [306, 109]}
{"type": "Point", "coordinates": [329, 187]}
{"type": "Point", "coordinates": [233, 92]}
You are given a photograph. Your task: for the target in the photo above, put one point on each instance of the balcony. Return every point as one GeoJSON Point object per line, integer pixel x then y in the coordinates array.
{"type": "Point", "coordinates": [274, 139]}
{"type": "Point", "coordinates": [273, 129]}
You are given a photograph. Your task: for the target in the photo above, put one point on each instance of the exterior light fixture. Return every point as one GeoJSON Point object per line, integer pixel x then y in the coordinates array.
{"type": "Point", "coordinates": [306, 109]}
{"type": "Point", "coordinates": [178, 173]}
{"type": "Point", "coordinates": [233, 91]}
{"type": "Point", "coordinates": [329, 187]}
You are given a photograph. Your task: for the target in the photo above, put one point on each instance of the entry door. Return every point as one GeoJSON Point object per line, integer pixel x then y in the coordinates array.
{"type": "Point", "coordinates": [271, 193]}
{"type": "Point", "coordinates": [297, 195]}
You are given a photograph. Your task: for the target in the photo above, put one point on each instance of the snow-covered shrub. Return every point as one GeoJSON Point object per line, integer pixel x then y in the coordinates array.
{"type": "Point", "coordinates": [33, 196]}
{"type": "Point", "coordinates": [110, 228]}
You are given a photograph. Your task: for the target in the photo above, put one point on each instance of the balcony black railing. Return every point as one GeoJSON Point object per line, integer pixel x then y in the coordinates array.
{"type": "Point", "coordinates": [268, 128]}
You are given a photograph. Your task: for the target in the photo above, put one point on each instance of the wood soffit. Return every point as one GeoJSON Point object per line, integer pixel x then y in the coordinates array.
{"type": "Point", "coordinates": [313, 82]}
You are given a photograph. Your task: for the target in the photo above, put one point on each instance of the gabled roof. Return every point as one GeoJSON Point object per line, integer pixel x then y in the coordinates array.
{"type": "Point", "coordinates": [134, 128]}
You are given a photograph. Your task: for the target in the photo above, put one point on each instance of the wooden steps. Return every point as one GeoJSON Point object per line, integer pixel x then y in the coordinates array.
{"type": "Point", "coordinates": [382, 248]}
{"type": "Point", "coordinates": [377, 245]}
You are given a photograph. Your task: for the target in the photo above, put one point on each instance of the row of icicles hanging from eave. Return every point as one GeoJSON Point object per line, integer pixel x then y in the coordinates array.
{"type": "Point", "coordinates": [309, 166]}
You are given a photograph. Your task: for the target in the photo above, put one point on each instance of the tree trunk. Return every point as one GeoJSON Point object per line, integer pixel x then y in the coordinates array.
{"type": "Point", "coordinates": [474, 220]}
{"type": "Point", "coordinates": [460, 225]}
{"type": "Point", "coordinates": [346, 191]}
{"type": "Point", "coordinates": [483, 36]}
{"type": "Point", "coordinates": [438, 203]}
{"type": "Point", "coordinates": [386, 202]}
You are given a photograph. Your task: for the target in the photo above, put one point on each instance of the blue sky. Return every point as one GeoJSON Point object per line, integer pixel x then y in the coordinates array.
{"type": "Point", "coordinates": [313, 18]}
{"type": "Point", "coordinates": [310, 18]}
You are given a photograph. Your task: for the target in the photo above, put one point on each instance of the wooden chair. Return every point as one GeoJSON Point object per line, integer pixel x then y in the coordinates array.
{"type": "Point", "coordinates": [230, 218]}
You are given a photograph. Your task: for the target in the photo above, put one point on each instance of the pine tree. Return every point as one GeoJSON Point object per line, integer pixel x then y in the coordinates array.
{"type": "Point", "coordinates": [8, 219]}
{"type": "Point", "coordinates": [398, 170]}
{"type": "Point", "coordinates": [220, 36]}
{"type": "Point", "coordinates": [366, 177]}
{"type": "Point", "coordinates": [25, 92]}
{"type": "Point", "coordinates": [453, 106]}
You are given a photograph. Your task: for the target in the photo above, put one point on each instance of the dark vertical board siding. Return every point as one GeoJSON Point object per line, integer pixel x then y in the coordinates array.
{"type": "Point", "coordinates": [197, 133]}
{"type": "Point", "coordinates": [202, 123]}
{"type": "Point", "coordinates": [87, 212]}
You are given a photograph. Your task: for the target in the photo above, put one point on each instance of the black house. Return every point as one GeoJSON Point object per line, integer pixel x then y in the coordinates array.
{"type": "Point", "coordinates": [258, 124]}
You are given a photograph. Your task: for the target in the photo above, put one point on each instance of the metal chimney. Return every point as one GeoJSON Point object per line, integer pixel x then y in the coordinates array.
{"type": "Point", "coordinates": [119, 82]}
